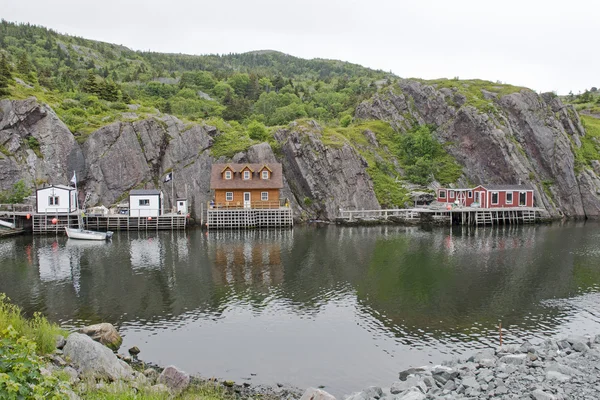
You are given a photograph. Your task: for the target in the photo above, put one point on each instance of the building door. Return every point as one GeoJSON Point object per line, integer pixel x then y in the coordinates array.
{"type": "Point", "coordinates": [477, 198]}
{"type": "Point", "coordinates": [522, 199]}
{"type": "Point", "coordinates": [247, 202]}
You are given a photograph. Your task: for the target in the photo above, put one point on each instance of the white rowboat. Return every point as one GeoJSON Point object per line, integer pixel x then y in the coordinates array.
{"type": "Point", "coordinates": [83, 234]}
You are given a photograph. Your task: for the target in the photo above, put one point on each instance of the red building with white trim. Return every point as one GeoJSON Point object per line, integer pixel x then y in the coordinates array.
{"type": "Point", "coordinates": [489, 196]}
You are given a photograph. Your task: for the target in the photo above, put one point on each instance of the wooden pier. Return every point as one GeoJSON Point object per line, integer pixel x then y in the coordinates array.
{"type": "Point", "coordinates": [455, 216]}
{"type": "Point", "coordinates": [23, 216]}
{"type": "Point", "coordinates": [119, 222]}
{"type": "Point", "coordinates": [244, 218]}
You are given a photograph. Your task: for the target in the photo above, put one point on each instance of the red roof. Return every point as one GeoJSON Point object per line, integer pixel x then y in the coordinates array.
{"type": "Point", "coordinates": [275, 180]}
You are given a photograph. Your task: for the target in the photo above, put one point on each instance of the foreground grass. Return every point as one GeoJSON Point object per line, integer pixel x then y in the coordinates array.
{"type": "Point", "coordinates": [37, 329]}
{"type": "Point", "coordinates": [205, 391]}
{"type": "Point", "coordinates": [23, 345]}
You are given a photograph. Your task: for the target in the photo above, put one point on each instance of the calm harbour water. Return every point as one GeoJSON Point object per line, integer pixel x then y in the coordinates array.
{"type": "Point", "coordinates": [334, 306]}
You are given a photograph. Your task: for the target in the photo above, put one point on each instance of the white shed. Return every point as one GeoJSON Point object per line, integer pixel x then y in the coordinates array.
{"type": "Point", "coordinates": [145, 203]}
{"type": "Point", "coordinates": [56, 199]}
{"type": "Point", "coordinates": [182, 206]}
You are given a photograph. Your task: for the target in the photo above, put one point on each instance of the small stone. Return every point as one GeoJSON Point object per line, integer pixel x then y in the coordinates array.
{"type": "Point", "coordinates": [60, 342]}
{"type": "Point", "coordinates": [134, 351]}
{"type": "Point", "coordinates": [449, 385]}
{"type": "Point", "coordinates": [557, 376]}
{"type": "Point", "coordinates": [316, 394]}
{"type": "Point", "coordinates": [174, 378]}
{"type": "Point", "coordinates": [73, 374]}
{"type": "Point", "coordinates": [411, 371]}
{"type": "Point", "coordinates": [539, 394]}
{"type": "Point", "coordinates": [104, 333]}
{"type": "Point", "coordinates": [501, 389]}
{"type": "Point", "coordinates": [470, 382]}
{"type": "Point", "coordinates": [151, 374]}
{"type": "Point", "coordinates": [373, 392]}
{"type": "Point", "coordinates": [412, 394]}
{"type": "Point", "coordinates": [514, 359]}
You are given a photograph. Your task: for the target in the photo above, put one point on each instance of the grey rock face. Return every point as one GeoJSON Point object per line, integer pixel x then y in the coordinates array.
{"type": "Point", "coordinates": [528, 138]}
{"type": "Point", "coordinates": [23, 124]}
{"type": "Point", "coordinates": [95, 360]}
{"type": "Point", "coordinates": [174, 378]}
{"type": "Point", "coordinates": [324, 179]}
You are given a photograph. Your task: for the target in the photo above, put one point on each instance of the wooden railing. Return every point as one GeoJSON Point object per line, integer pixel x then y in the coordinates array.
{"type": "Point", "coordinates": [16, 207]}
{"type": "Point", "coordinates": [261, 205]}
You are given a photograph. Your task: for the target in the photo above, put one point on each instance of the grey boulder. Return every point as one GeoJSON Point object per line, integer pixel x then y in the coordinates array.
{"type": "Point", "coordinates": [95, 360]}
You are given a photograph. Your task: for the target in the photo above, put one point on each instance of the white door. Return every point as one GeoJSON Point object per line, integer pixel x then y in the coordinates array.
{"type": "Point", "coordinates": [476, 198]}
{"type": "Point", "coordinates": [246, 199]}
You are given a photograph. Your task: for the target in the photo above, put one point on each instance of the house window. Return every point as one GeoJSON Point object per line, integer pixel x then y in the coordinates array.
{"type": "Point", "coordinates": [53, 200]}
{"type": "Point", "coordinates": [494, 197]}
{"type": "Point", "coordinates": [228, 196]}
{"type": "Point", "coordinates": [265, 174]}
{"type": "Point", "coordinates": [442, 194]}
{"type": "Point", "coordinates": [264, 196]}
{"type": "Point", "coordinates": [470, 194]}
{"type": "Point", "coordinates": [227, 174]}
{"type": "Point", "coordinates": [451, 194]}
{"type": "Point", "coordinates": [246, 175]}
{"type": "Point", "coordinates": [144, 202]}
{"type": "Point", "coordinates": [509, 197]}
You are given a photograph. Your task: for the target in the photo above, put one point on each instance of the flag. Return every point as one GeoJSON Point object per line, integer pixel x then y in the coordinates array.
{"type": "Point", "coordinates": [169, 177]}
{"type": "Point", "coordinates": [74, 179]}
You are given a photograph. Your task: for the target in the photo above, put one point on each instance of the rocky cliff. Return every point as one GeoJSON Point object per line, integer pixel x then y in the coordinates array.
{"type": "Point", "coordinates": [519, 136]}
{"type": "Point", "coordinates": [123, 156]}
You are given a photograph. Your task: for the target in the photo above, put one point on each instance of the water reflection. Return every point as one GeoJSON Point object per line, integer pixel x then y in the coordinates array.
{"type": "Point", "coordinates": [277, 303]}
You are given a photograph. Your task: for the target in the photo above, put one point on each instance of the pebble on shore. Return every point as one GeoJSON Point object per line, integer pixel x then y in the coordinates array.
{"type": "Point", "coordinates": [552, 370]}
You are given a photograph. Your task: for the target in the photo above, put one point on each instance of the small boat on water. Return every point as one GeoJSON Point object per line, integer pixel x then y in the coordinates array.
{"type": "Point", "coordinates": [83, 234]}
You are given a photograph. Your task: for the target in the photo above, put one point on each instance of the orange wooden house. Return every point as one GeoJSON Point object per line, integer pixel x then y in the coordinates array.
{"type": "Point", "coordinates": [246, 185]}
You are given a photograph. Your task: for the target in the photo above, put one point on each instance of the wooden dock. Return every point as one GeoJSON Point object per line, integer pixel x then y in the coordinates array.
{"type": "Point", "coordinates": [41, 223]}
{"type": "Point", "coordinates": [455, 216]}
{"type": "Point", "coordinates": [245, 218]}
{"type": "Point", "coordinates": [117, 222]}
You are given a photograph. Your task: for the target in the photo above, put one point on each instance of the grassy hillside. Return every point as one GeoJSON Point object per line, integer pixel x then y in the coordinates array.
{"type": "Point", "coordinates": [91, 83]}
{"type": "Point", "coordinates": [246, 96]}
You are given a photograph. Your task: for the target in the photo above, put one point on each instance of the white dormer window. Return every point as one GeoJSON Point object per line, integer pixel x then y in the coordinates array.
{"type": "Point", "coordinates": [246, 174]}
{"type": "Point", "coordinates": [227, 174]}
{"type": "Point", "coordinates": [265, 174]}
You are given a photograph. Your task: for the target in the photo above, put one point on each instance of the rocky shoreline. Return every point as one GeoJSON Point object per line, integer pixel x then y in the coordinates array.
{"type": "Point", "coordinates": [89, 360]}
{"type": "Point", "coordinates": [555, 369]}
{"type": "Point", "coordinates": [552, 370]}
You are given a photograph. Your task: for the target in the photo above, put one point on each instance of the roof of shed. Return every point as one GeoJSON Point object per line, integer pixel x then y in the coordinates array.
{"type": "Point", "coordinates": [144, 192]}
{"type": "Point", "coordinates": [508, 187]}
{"type": "Point", "coordinates": [274, 182]}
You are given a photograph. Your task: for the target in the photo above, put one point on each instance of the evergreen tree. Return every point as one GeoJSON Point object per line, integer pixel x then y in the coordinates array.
{"type": "Point", "coordinates": [23, 65]}
{"type": "Point", "coordinates": [90, 85]}
{"type": "Point", "coordinates": [5, 76]}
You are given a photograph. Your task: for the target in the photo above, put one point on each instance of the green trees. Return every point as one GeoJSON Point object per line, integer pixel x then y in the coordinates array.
{"type": "Point", "coordinates": [424, 158]}
{"type": "Point", "coordinates": [5, 76]}
{"type": "Point", "coordinates": [257, 131]}
{"type": "Point", "coordinates": [16, 195]}
{"type": "Point", "coordinates": [90, 85]}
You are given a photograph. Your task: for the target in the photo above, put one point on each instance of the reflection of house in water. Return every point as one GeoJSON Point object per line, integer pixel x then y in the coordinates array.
{"type": "Point", "coordinates": [251, 257]}
{"type": "Point", "coordinates": [57, 263]}
{"type": "Point", "coordinates": [146, 253]}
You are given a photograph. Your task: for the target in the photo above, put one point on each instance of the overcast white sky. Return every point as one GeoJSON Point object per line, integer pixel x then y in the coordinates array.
{"type": "Point", "coordinates": [546, 45]}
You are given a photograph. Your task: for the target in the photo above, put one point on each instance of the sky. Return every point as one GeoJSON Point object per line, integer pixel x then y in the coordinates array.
{"type": "Point", "coordinates": [545, 45]}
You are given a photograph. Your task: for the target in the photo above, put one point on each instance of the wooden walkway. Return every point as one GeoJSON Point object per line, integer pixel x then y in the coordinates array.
{"type": "Point", "coordinates": [456, 216]}
{"type": "Point", "coordinates": [127, 223]}
{"type": "Point", "coordinates": [41, 223]}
